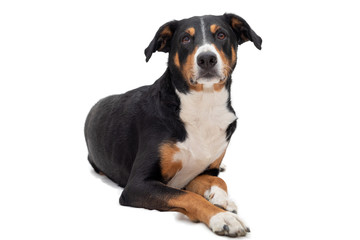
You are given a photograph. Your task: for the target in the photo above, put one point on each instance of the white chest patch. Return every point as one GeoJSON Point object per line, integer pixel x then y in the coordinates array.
{"type": "Point", "coordinates": [206, 118]}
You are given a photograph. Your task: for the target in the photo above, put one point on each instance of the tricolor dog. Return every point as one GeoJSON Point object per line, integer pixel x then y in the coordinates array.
{"type": "Point", "coordinates": [164, 143]}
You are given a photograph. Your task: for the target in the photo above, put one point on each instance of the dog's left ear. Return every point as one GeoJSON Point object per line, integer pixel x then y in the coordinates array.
{"type": "Point", "coordinates": [242, 30]}
{"type": "Point", "coordinates": [162, 39]}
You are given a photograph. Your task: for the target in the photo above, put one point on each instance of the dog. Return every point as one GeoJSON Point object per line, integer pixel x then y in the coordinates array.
{"type": "Point", "coordinates": [164, 143]}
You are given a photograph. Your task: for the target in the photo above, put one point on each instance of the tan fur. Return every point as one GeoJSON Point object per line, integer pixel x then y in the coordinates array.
{"type": "Point", "coordinates": [202, 183]}
{"type": "Point", "coordinates": [226, 69]}
{"type": "Point", "coordinates": [166, 32]}
{"type": "Point", "coordinates": [194, 206]}
{"type": "Point", "coordinates": [233, 57]}
{"type": "Point", "coordinates": [237, 24]}
{"type": "Point", "coordinates": [169, 167]}
{"type": "Point", "coordinates": [188, 67]}
{"type": "Point", "coordinates": [217, 162]}
{"type": "Point", "coordinates": [187, 70]}
{"type": "Point", "coordinates": [214, 28]}
{"type": "Point", "coordinates": [176, 60]}
{"type": "Point", "coordinates": [219, 86]}
{"type": "Point", "coordinates": [165, 35]}
{"type": "Point", "coordinates": [191, 31]}
{"type": "Point", "coordinates": [197, 87]}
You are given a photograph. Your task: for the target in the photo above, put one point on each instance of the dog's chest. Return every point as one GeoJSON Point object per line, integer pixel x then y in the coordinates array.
{"type": "Point", "coordinates": [206, 117]}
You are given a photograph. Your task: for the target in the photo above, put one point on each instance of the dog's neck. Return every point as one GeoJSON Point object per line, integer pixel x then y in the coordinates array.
{"type": "Point", "coordinates": [169, 86]}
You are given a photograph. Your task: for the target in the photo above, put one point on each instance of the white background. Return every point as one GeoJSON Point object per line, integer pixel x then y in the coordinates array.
{"type": "Point", "coordinates": [292, 165]}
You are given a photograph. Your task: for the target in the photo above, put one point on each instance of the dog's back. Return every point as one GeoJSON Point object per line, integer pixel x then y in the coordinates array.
{"type": "Point", "coordinates": [116, 125]}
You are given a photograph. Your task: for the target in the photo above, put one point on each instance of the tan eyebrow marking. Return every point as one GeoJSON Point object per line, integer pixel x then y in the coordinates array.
{"type": "Point", "coordinates": [214, 28]}
{"type": "Point", "coordinates": [191, 31]}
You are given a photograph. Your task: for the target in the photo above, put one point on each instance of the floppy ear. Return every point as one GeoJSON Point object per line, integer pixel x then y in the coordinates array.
{"type": "Point", "coordinates": [242, 30]}
{"type": "Point", "coordinates": [162, 39]}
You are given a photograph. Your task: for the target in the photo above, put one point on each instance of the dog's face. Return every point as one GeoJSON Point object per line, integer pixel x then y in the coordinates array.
{"type": "Point", "coordinates": [202, 50]}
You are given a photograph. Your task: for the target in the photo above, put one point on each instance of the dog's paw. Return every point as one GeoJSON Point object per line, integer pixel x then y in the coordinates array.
{"type": "Point", "coordinates": [229, 224]}
{"type": "Point", "coordinates": [222, 167]}
{"type": "Point", "coordinates": [219, 197]}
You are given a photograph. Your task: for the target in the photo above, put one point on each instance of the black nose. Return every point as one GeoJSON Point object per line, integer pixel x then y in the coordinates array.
{"type": "Point", "coordinates": [206, 60]}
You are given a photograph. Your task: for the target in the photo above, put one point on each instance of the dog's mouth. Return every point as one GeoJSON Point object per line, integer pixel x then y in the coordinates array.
{"type": "Point", "coordinates": [208, 77]}
{"type": "Point", "coordinates": [206, 74]}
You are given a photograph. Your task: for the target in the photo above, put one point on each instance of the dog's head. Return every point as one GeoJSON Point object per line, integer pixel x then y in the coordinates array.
{"type": "Point", "coordinates": [202, 50]}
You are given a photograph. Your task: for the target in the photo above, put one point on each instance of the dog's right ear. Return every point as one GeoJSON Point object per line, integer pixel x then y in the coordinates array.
{"type": "Point", "coordinates": [162, 39]}
{"type": "Point", "coordinates": [242, 30]}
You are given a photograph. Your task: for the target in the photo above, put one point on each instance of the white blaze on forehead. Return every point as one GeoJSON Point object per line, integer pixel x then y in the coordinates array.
{"type": "Point", "coordinates": [203, 30]}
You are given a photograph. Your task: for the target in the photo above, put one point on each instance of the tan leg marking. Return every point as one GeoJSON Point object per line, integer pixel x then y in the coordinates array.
{"type": "Point", "coordinates": [168, 166]}
{"type": "Point", "coordinates": [194, 206]}
{"type": "Point", "coordinates": [202, 183]}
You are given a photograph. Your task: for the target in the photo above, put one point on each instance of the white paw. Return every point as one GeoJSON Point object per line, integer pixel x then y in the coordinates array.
{"type": "Point", "coordinates": [222, 167]}
{"type": "Point", "coordinates": [229, 224]}
{"type": "Point", "coordinates": [220, 198]}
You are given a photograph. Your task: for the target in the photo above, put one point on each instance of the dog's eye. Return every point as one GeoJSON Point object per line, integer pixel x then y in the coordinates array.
{"type": "Point", "coordinates": [185, 40]}
{"type": "Point", "coordinates": [221, 36]}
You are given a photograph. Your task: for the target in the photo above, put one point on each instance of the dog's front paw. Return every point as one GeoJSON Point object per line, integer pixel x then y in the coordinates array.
{"type": "Point", "coordinates": [219, 197]}
{"type": "Point", "coordinates": [222, 167]}
{"type": "Point", "coordinates": [229, 224]}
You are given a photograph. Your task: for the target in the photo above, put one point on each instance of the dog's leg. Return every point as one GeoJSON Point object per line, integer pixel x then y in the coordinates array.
{"type": "Point", "coordinates": [214, 189]}
{"type": "Point", "coordinates": [155, 195]}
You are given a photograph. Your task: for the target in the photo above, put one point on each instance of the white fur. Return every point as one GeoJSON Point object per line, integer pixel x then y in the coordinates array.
{"type": "Point", "coordinates": [219, 197]}
{"type": "Point", "coordinates": [235, 226]}
{"type": "Point", "coordinates": [222, 167]}
{"type": "Point", "coordinates": [206, 118]}
{"type": "Point", "coordinates": [203, 29]}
